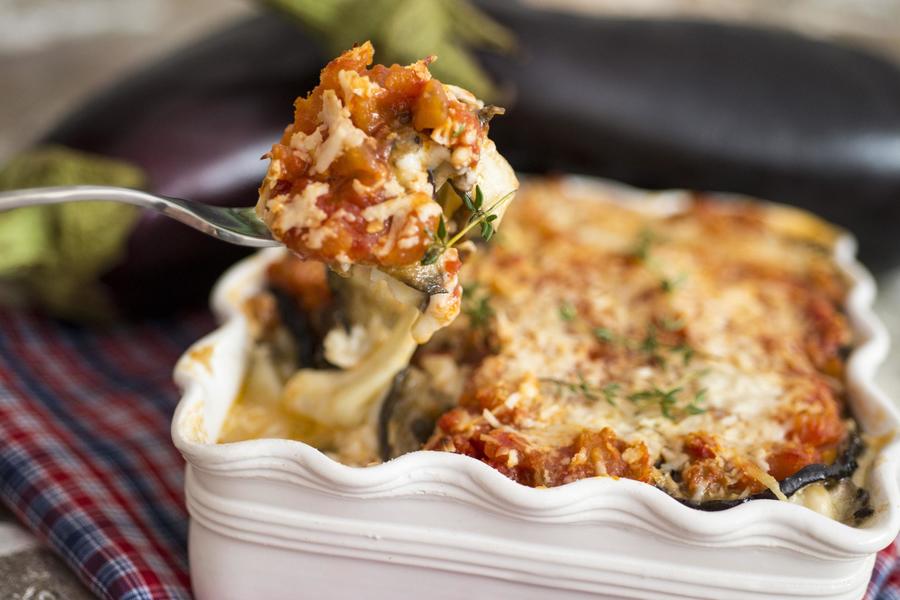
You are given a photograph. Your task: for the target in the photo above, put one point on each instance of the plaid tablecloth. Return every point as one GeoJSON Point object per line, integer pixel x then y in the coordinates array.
{"type": "Point", "coordinates": [87, 463]}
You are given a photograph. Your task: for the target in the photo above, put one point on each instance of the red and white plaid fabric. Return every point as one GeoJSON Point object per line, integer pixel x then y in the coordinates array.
{"type": "Point", "coordinates": [87, 463]}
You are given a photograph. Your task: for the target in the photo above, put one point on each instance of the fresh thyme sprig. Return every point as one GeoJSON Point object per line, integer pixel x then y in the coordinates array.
{"type": "Point", "coordinates": [668, 285]}
{"type": "Point", "coordinates": [480, 217]}
{"type": "Point", "coordinates": [567, 312]}
{"type": "Point", "coordinates": [672, 324]}
{"type": "Point", "coordinates": [641, 250]}
{"type": "Point", "coordinates": [477, 306]}
{"type": "Point", "coordinates": [609, 391]}
{"type": "Point", "coordinates": [438, 245]}
{"type": "Point", "coordinates": [604, 335]}
{"type": "Point", "coordinates": [642, 253]}
{"type": "Point", "coordinates": [583, 388]}
{"type": "Point", "coordinates": [693, 408]}
{"type": "Point", "coordinates": [650, 344]}
{"type": "Point", "coordinates": [666, 398]}
{"type": "Point", "coordinates": [687, 353]}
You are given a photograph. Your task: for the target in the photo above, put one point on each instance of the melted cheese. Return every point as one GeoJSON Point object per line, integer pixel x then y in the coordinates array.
{"type": "Point", "coordinates": [696, 349]}
{"type": "Point", "coordinates": [342, 133]}
{"type": "Point", "coordinates": [658, 328]}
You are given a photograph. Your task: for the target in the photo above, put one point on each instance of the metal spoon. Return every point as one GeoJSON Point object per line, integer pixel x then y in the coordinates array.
{"type": "Point", "coordinates": [238, 226]}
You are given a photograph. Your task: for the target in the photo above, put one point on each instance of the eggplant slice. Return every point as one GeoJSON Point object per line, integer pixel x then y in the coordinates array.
{"type": "Point", "coordinates": [409, 413]}
{"type": "Point", "coordinates": [843, 467]}
{"type": "Point", "coordinates": [412, 406]}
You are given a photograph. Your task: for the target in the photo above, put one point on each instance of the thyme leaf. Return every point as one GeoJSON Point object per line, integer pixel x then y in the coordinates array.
{"type": "Point", "coordinates": [693, 408]}
{"type": "Point", "coordinates": [483, 218]}
{"type": "Point", "coordinates": [666, 399]}
{"type": "Point", "coordinates": [582, 388]}
{"type": "Point", "coordinates": [567, 312]}
{"type": "Point", "coordinates": [645, 240]}
{"type": "Point", "coordinates": [672, 324]}
{"type": "Point", "coordinates": [438, 245]}
{"type": "Point", "coordinates": [610, 390]}
{"type": "Point", "coordinates": [604, 334]}
{"type": "Point", "coordinates": [686, 351]}
{"type": "Point", "coordinates": [477, 306]}
{"type": "Point", "coordinates": [668, 285]}
{"type": "Point", "coordinates": [650, 343]}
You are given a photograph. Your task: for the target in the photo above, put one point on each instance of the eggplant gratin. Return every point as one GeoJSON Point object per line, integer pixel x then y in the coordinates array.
{"type": "Point", "coordinates": [373, 171]}
{"type": "Point", "coordinates": [691, 343]}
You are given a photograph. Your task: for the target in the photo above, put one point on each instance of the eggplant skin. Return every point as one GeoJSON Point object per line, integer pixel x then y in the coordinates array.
{"type": "Point", "coordinates": [684, 104]}
{"type": "Point", "coordinates": [409, 412]}
{"type": "Point", "coordinates": [663, 104]}
{"type": "Point", "coordinates": [197, 123]}
{"type": "Point", "coordinates": [845, 465]}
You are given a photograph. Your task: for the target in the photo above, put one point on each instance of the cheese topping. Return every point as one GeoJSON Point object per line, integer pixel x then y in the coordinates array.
{"type": "Point", "coordinates": [699, 350]}
{"type": "Point", "coordinates": [342, 133]}
{"type": "Point", "coordinates": [353, 180]}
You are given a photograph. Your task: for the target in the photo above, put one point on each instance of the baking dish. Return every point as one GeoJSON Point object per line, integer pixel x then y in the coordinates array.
{"type": "Point", "coordinates": [273, 517]}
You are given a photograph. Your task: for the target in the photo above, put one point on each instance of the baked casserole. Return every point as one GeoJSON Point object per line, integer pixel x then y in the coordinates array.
{"type": "Point", "coordinates": [697, 346]}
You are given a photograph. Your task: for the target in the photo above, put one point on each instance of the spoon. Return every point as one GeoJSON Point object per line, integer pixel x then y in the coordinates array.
{"type": "Point", "coordinates": [238, 226]}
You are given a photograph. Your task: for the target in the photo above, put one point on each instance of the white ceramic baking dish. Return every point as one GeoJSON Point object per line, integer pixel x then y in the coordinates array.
{"type": "Point", "coordinates": [278, 519]}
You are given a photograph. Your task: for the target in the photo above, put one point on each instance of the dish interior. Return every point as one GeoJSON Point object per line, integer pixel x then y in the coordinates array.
{"type": "Point", "coordinates": [695, 344]}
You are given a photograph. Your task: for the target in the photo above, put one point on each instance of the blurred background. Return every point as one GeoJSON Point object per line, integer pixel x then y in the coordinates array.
{"type": "Point", "coordinates": [55, 55]}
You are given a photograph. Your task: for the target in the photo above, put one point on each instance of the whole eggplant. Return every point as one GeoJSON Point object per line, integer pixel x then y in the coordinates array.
{"type": "Point", "coordinates": [653, 103]}
{"type": "Point", "coordinates": [707, 106]}
{"type": "Point", "coordinates": [198, 124]}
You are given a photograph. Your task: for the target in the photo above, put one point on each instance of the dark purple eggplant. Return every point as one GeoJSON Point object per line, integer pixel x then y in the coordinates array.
{"type": "Point", "coordinates": [409, 413]}
{"type": "Point", "coordinates": [699, 105]}
{"type": "Point", "coordinates": [843, 467]}
{"type": "Point", "coordinates": [198, 125]}
{"type": "Point", "coordinates": [654, 103]}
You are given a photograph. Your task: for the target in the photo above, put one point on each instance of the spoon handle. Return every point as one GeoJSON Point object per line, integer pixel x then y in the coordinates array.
{"type": "Point", "coordinates": [233, 225]}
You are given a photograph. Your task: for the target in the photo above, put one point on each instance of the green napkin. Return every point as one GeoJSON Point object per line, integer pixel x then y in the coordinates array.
{"type": "Point", "coordinates": [404, 31]}
{"type": "Point", "coordinates": [53, 256]}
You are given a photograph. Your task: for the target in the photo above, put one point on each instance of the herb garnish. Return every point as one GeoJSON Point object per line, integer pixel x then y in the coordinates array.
{"type": "Point", "coordinates": [477, 306]}
{"type": "Point", "coordinates": [666, 398]}
{"type": "Point", "coordinates": [641, 250]}
{"type": "Point", "coordinates": [567, 312]}
{"type": "Point", "coordinates": [668, 285]}
{"type": "Point", "coordinates": [687, 353]}
{"type": "Point", "coordinates": [650, 343]}
{"type": "Point", "coordinates": [610, 390]}
{"type": "Point", "coordinates": [692, 408]}
{"type": "Point", "coordinates": [672, 324]}
{"type": "Point", "coordinates": [604, 334]}
{"type": "Point", "coordinates": [481, 217]}
{"type": "Point", "coordinates": [583, 388]}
